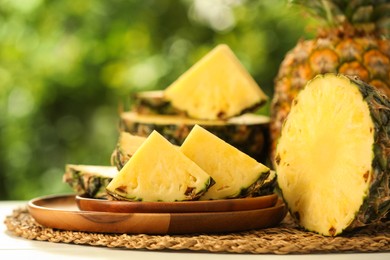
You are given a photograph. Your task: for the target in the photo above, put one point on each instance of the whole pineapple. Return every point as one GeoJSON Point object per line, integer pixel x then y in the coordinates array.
{"type": "Point", "coordinates": [355, 42]}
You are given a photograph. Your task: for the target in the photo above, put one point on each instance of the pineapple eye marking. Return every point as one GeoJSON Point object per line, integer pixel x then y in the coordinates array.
{"type": "Point", "coordinates": [366, 175]}
{"type": "Point", "coordinates": [324, 60]}
{"type": "Point", "coordinates": [224, 187]}
{"type": "Point", "coordinates": [189, 191]}
{"type": "Point", "coordinates": [297, 216]}
{"type": "Point", "coordinates": [221, 114]}
{"type": "Point", "coordinates": [121, 189]}
{"type": "Point", "coordinates": [193, 179]}
{"type": "Point", "coordinates": [277, 159]}
{"type": "Point", "coordinates": [295, 102]}
{"type": "Point", "coordinates": [332, 231]}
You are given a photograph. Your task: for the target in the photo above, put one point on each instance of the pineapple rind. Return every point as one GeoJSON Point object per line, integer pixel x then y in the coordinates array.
{"type": "Point", "coordinates": [257, 188]}
{"type": "Point", "coordinates": [376, 205]}
{"type": "Point", "coordinates": [268, 186]}
{"type": "Point", "coordinates": [89, 180]}
{"type": "Point", "coordinates": [366, 203]}
{"type": "Point", "coordinates": [249, 133]}
{"type": "Point", "coordinates": [153, 102]}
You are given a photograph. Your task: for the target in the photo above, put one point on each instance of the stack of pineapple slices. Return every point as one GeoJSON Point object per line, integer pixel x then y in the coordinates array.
{"type": "Point", "coordinates": [216, 93]}
{"type": "Point", "coordinates": [205, 104]}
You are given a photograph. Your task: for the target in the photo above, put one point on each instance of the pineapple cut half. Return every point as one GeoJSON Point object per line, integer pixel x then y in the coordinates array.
{"type": "Point", "coordinates": [216, 87]}
{"type": "Point", "coordinates": [89, 180]}
{"type": "Point", "coordinates": [332, 157]}
{"type": "Point", "coordinates": [158, 171]}
{"type": "Point", "coordinates": [235, 173]}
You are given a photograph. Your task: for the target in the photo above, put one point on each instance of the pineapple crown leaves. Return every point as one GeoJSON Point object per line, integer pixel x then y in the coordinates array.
{"type": "Point", "coordinates": [364, 16]}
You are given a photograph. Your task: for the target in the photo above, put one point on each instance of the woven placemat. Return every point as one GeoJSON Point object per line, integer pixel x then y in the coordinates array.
{"type": "Point", "coordinates": [286, 238]}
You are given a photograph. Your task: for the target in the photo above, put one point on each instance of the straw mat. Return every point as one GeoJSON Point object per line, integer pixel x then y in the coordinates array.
{"type": "Point", "coordinates": [286, 238]}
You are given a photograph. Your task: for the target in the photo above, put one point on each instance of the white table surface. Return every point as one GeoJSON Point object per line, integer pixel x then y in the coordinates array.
{"type": "Point", "coordinates": [13, 246]}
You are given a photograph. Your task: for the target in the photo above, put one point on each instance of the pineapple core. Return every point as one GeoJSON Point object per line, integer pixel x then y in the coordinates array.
{"type": "Point", "coordinates": [323, 158]}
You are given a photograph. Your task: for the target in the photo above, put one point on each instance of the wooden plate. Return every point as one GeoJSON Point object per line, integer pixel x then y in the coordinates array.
{"type": "Point", "coordinates": [62, 212]}
{"type": "Point", "coordinates": [90, 204]}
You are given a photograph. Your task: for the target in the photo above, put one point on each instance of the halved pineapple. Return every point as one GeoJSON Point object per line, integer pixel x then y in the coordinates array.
{"type": "Point", "coordinates": [126, 146]}
{"type": "Point", "coordinates": [235, 173]}
{"type": "Point", "coordinates": [332, 157]}
{"type": "Point", "coordinates": [158, 171]}
{"type": "Point", "coordinates": [217, 87]}
{"type": "Point", "coordinates": [89, 180]}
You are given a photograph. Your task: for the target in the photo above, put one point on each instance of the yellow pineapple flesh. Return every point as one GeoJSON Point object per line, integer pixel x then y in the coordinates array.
{"type": "Point", "coordinates": [324, 158]}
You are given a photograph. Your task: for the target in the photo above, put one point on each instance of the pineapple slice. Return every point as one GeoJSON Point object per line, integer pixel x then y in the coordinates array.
{"type": "Point", "coordinates": [127, 145]}
{"type": "Point", "coordinates": [236, 174]}
{"type": "Point", "coordinates": [158, 171]}
{"type": "Point", "coordinates": [331, 158]}
{"type": "Point", "coordinates": [216, 87]}
{"type": "Point", "coordinates": [249, 132]}
{"type": "Point", "coordinates": [89, 180]}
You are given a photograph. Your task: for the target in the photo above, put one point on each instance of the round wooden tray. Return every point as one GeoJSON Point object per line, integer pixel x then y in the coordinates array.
{"type": "Point", "coordinates": [104, 205]}
{"type": "Point", "coordinates": [62, 212]}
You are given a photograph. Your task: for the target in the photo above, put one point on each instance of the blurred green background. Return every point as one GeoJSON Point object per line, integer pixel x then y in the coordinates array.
{"type": "Point", "coordinates": [67, 66]}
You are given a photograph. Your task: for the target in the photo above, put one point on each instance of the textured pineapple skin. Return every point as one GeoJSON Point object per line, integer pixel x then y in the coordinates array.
{"type": "Point", "coordinates": [366, 57]}
{"type": "Point", "coordinates": [267, 187]}
{"type": "Point", "coordinates": [86, 181]}
{"type": "Point", "coordinates": [249, 137]}
{"type": "Point", "coordinates": [375, 206]}
{"type": "Point", "coordinates": [119, 157]}
{"type": "Point", "coordinates": [153, 103]}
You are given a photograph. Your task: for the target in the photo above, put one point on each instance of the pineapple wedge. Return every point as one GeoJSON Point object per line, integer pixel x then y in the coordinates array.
{"type": "Point", "coordinates": [158, 171]}
{"type": "Point", "coordinates": [332, 157]}
{"type": "Point", "coordinates": [236, 174]}
{"type": "Point", "coordinates": [89, 180]}
{"type": "Point", "coordinates": [216, 87]}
